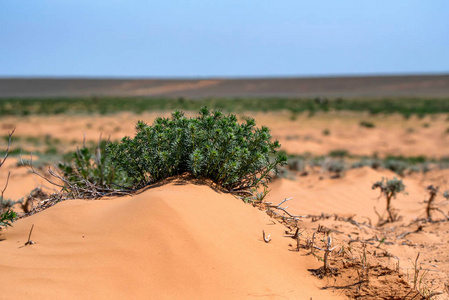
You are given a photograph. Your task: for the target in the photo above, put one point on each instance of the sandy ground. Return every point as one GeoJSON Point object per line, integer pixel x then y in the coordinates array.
{"type": "Point", "coordinates": [298, 134]}
{"type": "Point", "coordinates": [186, 240]}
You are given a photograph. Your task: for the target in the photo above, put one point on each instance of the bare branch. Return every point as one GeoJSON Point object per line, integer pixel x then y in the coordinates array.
{"type": "Point", "coordinates": [442, 212]}
{"type": "Point", "coordinates": [31, 169]}
{"type": "Point", "coordinates": [6, 185]}
{"type": "Point", "coordinates": [285, 209]}
{"type": "Point", "coordinates": [2, 161]}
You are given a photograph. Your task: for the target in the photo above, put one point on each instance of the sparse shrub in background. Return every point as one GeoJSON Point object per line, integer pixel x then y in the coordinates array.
{"type": "Point", "coordinates": [316, 161]}
{"type": "Point", "coordinates": [360, 164]}
{"type": "Point", "coordinates": [396, 166]}
{"type": "Point", "coordinates": [297, 164]}
{"type": "Point", "coordinates": [326, 132]}
{"type": "Point", "coordinates": [374, 163]}
{"type": "Point", "coordinates": [414, 169]}
{"type": "Point", "coordinates": [235, 156]}
{"type": "Point", "coordinates": [446, 195]}
{"type": "Point", "coordinates": [293, 116]}
{"type": "Point", "coordinates": [334, 166]}
{"type": "Point", "coordinates": [425, 167]}
{"type": "Point", "coordinates": [426, 125]}
{"type": "Point", "coordinates": [366, 124]}
{"type": "Point", "coordinates": [339, 153]}
{"type": "Point", "coordinates": [389, 188]}
{"type": "Point", "coordinates": [447, 130]}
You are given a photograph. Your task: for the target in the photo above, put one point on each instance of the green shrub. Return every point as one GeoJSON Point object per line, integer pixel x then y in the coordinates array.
{"type": "Point", "coordinates": [7, 217]}
{"type": "Point", "coordinates": [88, 172]}
{"type": "Point", "coordinates": [212, 145]}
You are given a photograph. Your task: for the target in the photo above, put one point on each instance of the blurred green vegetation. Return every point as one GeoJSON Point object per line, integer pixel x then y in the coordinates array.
{"type": "Point", "coordinates": [108, 105]}
{"type": "Point", "coordinates": [341, 159]}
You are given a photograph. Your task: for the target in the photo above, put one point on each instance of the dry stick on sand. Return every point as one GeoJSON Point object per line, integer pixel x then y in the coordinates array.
{"type": "Point", "coordinates": [284, 209]}
{"type": "Point", "coordinates": [266, 239]}
{"type": "Point", "coordinates": [30, 242]}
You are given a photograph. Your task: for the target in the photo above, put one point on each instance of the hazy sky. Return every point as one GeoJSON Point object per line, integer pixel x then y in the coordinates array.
{"type": "Point", "coordinates": [202, 38]}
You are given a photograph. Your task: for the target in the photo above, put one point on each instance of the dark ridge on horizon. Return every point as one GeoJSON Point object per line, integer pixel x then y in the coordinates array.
{"type": "Point", "coordinates": [371, 86]}
{"type": "Point", "coordinates": [213, 77]}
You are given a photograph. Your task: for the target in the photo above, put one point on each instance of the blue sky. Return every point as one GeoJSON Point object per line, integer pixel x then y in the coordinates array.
{"type": "Point", "coordinates": [232, 38]}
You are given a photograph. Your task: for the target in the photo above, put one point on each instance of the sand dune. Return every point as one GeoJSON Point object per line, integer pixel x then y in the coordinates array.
{"type": "Point", "coordinates": [176, 241]}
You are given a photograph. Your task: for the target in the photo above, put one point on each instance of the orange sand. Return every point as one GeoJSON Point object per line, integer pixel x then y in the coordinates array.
{"type": "Point", "coordinates": [177, 241]}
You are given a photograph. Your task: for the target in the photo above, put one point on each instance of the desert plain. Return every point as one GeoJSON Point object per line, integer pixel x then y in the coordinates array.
{"type": "Point", "coordinates": [185, 238]}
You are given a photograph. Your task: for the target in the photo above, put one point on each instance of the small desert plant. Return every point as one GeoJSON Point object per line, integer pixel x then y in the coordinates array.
{"type": "Point", "coordinates": [326, 132]}
{"type": "Point", "coordinates": [7, 218]}
{"type": "Point", "coordinates": [339, 153]}
{"type": "Point", "coordinates": [334, 166]}
{"type": "Point", "coordinates": [396, 166]}
{"type": "Point", "coordinates": [433, 192]}
{"type": "Point", "coordinates": [366, 124]}
{"type": "Point", "coordinates": [389, 188]}
{"type": "Point", "coordinates": [297, 164]}
{"type": "Point", "coordinates": [212, 145]}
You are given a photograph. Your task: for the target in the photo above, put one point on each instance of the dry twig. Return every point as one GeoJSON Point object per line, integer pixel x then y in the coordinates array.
{"type": "Point", "coordinates": [266, 239]}
{"type": "Point", "coordinates": [30, 242]}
